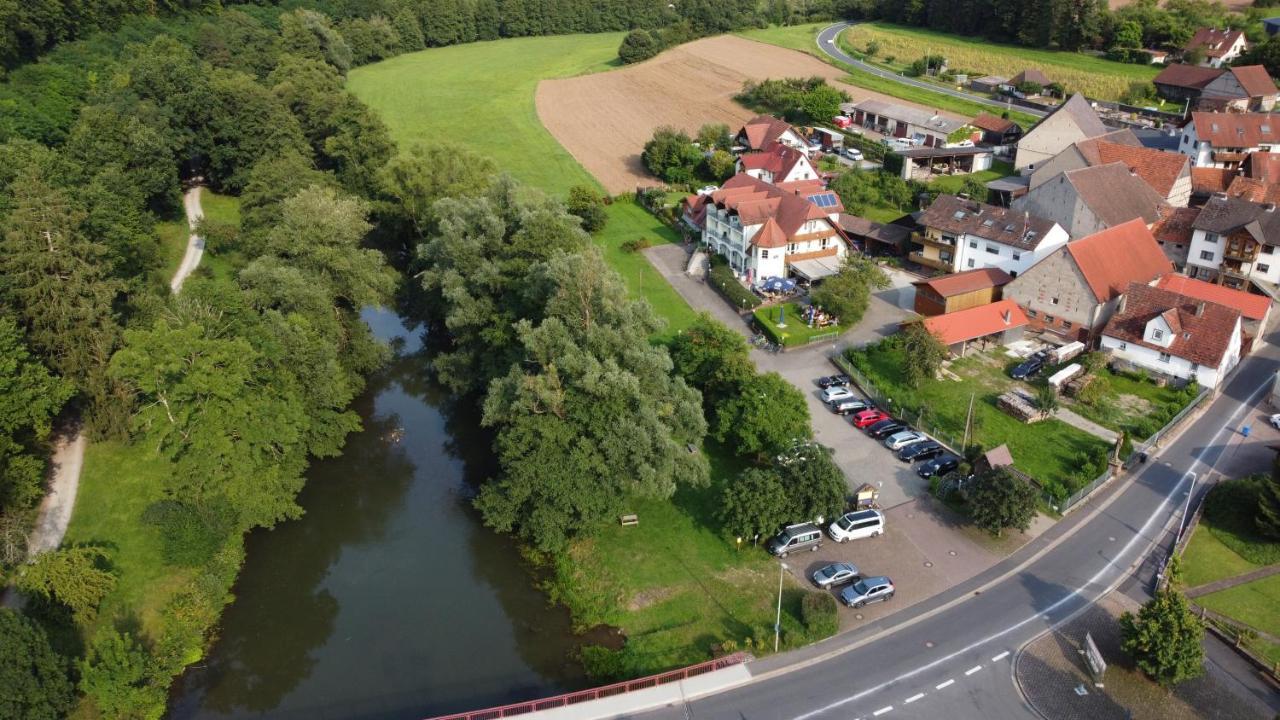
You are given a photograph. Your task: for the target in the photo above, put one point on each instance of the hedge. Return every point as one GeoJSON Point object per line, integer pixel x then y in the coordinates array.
{"type": "Point", "coordinates": [722, 279]}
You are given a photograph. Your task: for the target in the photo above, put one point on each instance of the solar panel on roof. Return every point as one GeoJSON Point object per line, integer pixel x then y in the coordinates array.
{"type": "Point", "coordinates": [823, 200]}
{"type": "Point", "coordinates": [959, 215]}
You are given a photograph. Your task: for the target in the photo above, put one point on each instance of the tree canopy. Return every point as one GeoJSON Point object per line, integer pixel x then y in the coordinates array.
{"type": "Point", "coordinates": [998, 500]}
{"type": "Point", "coordinates": [34, 677]}
{"type": "Point", "coordinates": [847, 294]}
{"type": "Point", "coordinates": [1164, 638]}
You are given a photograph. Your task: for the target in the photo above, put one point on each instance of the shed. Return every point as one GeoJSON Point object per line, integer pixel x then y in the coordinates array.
{"type": "Point", "coordinates": [988, 84]}
{"type": "Point", "coordinates": [924, 163]}
{"type": "Point", "coordinates": [998, 323]}
{"type": "Point", "coordinates": [961, 291]}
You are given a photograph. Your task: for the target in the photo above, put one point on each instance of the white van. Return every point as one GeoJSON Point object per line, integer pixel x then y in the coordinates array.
{"type": "Point", "coordinates": [857, 525]}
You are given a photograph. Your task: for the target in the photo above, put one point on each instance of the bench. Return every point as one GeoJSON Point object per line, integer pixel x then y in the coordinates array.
{"type": "Point", "coordinates": [629, 520]}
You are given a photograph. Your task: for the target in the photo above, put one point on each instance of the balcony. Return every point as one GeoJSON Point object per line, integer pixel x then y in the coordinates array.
{"type": "Point", "coordinates": [924, 239]}
{"type": "Point", "coordinates": [933, 262]}
{"type": "Point", "coordinates": [1247, 252]}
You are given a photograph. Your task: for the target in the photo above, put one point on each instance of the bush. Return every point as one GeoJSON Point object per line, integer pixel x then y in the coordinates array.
{"type": "Point", "coordinates": [190, 538]}
{"type": "Point", "coordinates": [635, 245]}
{"type": "Point", "coordinates": [638, 45]}
{"type": "Point", "coordinates": [721, 278]}
{"type": "Point", "coordinates": [585, 203]}
{"type": "Point", "coordinates": [819, 614]}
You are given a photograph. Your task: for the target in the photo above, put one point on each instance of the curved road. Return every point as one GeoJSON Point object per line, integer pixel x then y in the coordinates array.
{"type": "Point", "coordinates": [828, 45]}
{"type": "Point", "coordinates": [952, 656]}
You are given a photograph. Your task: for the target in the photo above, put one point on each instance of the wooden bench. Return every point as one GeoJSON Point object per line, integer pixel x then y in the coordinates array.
{"type": "Point", "coordinates": [629, 520]}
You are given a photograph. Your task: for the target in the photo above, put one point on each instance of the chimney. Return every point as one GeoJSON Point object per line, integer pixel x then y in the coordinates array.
{"type": "Point", "coordinates": [1124, 300]}
{"type": "Point", "coordinates": [1200, 309]}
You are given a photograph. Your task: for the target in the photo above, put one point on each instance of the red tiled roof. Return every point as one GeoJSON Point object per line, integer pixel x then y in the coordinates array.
{"type": "Point", "coordinates": [770, 236]}
{"type": "Point", "coordinates": [966, 282]}
{"type": "Point", "coordinates": [763, 130]}
{"type": "Point", "coordinates": [1213, 41]}
{"type": "Point", "coordinates": [1160, 169]}
{"type": "Point", "coordinates": [1255, 80]}
{"type": "Point", "coordinates": [756, 201]}
{"type": "Point", "coordinates": [1122, 254]}
{"type": "Point", "coordinates": [1176, 225]}
{"type": "Point", "coordinates": [778, 159]}
{"type": "Point", "coordinates": [976, 322]}
{"type": "Point", "coordinates": [1202, 330]}
{"type": "Point", "coordinates": [991, 123]}
{"type": "Point", "coordinates": [1192, 77]}
{"type": "Point", "coordinates": [1254, 190]}
{"type": "Point", "coordinates": [1252, 307]}
{"type": "Point", "coordinates": [1236, 130]}
{"type": "Point", "coordinates": [1088, 147]}
{"type": "Point", "coordinates": [1207, 181]}
{"type": "Point", "coordinates": [1263, 166]}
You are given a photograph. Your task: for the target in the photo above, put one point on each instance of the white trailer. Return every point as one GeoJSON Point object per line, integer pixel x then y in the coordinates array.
{"type": "Point", "coordinates": [1067, 352]}
{"type": "Point", "coordinates": [1061, 377]}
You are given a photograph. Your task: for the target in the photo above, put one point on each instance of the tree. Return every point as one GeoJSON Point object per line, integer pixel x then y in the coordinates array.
{"type": "Point", "coordinates": [721, 165]}
{"type": "Point", "coordinates": [754, 504]}
{"type": "Point", "coordinates": [76, 577]}
{"type": "Point", "coordinates": [1164, 638]}
{"type": "Point", "coordinates": [423, 174]}
{"type": "Point", "coordinates": [271, 181]}
{"type": "Point", "coordinates": [34, 677]}
{"type": "Point", "coordinates": [1266, 54]}
{"type": "Point", "coordinates": [815, 485]}
{"type": "Point", "coordinates": [119, 676]}
{"type": "Point", "coordinates": [714, 136]}
{"type": "Point", "coordinates": [671, 155]}
{"type": "Point", "coordinates": [998, 499]}
{"type": "Point", "coordinates": [857, 190]}
{"type": "Point", "coordinates": [1047, 399]}
{"type": "Point", "coordinates": [247, 123]}
{"type": "Point", "coordinates": [637, 46]}
{"type": "Point", "coordinates": [712, 358]}
{"type": "Point", "coordinates": [923, 353]}
{"type": "Point", "coordinates": [1030, 87]}
{"type": "Point", "coordinates": [588, 206]}
{"type": "Point", "coordinates": [309, 34]}
{"type": "Point", "coordinates": [848, 293]}
{"type": "Point", "coordinates": [1128, 35]}
{"type": "Point", "coordinates": [30, 396]}
{"type": "Point", "coordinates": [763, 417]}
{"type": "Point", "coordinates": [1268, 513]}
{"type": "Point", "coordinates": [822, 103]}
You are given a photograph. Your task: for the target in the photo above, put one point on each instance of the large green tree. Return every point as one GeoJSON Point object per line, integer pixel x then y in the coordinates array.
{"type": "Point", "coordinates": [671, 155]}
{"type": "Point", "coordinates": [815, 485]}
{"type": "Point", "coordinates": [77, 577]}
{"type": "Point", "coordinates": [999, 500]}
{"type": "Point", "coordinates": [30, 396]}
{"type": "Point", "coordinates": [423, 174]}
{"type": "Point", "coordinates": [764, 416]}
{"type": "Point", "coordinates": [754, 504]}
{"type": "Point", "coordinates": [923, 353]}
{"type": "Point", "coordinates": [847, 294]}
{"type": "Point", "coordinates": [1164, 638]}
{"type": "Point", "coordinates": [34, 677]}
{"type": "Point", "coordinates": [712, 358]}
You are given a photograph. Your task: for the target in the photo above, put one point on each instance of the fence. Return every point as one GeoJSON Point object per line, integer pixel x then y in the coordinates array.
{"type": "Point", "coordinates": [582, 696]}
{"type": "Point", "coordinates": [881, 400]}
{"type": "Point", "coordinates": [1078, 496]}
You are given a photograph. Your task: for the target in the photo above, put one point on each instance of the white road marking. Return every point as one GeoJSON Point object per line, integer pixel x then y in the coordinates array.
{"type": "Point", "coordinates": [1113, 563]}
{"type": "Point", "coordinates": [972, 670]}
{"type": "Point", "coordinates": [948, 683]}
{"type": "Point", "coordinates": [1000, 657]}
{"type": "Point", "coordinates": [882, 710]}
{"type": "Point", "coordinates": [914, 698]}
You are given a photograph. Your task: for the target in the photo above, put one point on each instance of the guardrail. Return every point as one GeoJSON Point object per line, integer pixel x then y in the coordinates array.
{"type": "Point", "coordinates": [582, 696]}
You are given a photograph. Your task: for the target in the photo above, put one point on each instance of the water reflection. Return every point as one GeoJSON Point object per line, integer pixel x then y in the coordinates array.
{"type": "Point", "coordinates": [388, 599]}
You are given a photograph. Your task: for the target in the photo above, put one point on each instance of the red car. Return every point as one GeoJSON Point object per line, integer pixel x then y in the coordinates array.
{"type": "Point", "coordinates": [868, 417]}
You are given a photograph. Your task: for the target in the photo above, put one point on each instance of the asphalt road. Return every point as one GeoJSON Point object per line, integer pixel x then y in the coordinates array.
{"type": "Point", "coordinates": [827, 43]}
{"type": "Point", "coordinates": [951, 656]}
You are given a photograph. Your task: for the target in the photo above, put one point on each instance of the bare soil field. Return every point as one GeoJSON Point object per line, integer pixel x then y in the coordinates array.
{"type": "Point", "coordinates": [604, 119]}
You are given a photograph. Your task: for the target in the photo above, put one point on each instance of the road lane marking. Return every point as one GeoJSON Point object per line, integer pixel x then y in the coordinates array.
{"type": "Point", "coordinates": [1000, 657]}
{"type": "Point", "coordinates": [882, 710]}
{"type": "Point", "coordinates": [914, 698]}
{"type": "Point", "coordinates": [972, 670]}
{"type": "Point", "coordinates": [948, 683]}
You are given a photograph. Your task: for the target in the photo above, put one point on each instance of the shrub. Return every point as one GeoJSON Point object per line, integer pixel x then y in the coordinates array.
{"type": "Point", "coordinates": [190, 537]}
{"type": "Point", "coordinates": [585, 203]}
{"type": "Point", "coordinates": [638, 45]}
{"type": "Point", "coordinates": [635, 245]}
{"type": "Point", "coordinates": [819, 614]}
{"type": "Point", "coordinates": [721, 278]}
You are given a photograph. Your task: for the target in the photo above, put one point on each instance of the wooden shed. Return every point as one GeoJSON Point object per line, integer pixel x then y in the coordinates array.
{"type": "Point", "coordinates": [961, 291]}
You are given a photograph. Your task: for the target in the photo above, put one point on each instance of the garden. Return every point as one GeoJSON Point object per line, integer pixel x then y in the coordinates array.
{"type": "Point", "coordinates": [1132, 403]}
{"type": "Point", "coordinates": [785, 325]}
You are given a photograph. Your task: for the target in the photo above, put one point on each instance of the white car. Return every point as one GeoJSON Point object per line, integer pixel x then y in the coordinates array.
{"type": "Point", "coordinates": [1275, 421]}
{"type": "Point", "coordinates": [852, 153]}
{"type": "Point", "coordinates": [857, 525]}
{"type": "Point", "coordinates": [833, 394]}
{"type": "Point", "coordinates": [903, 439]}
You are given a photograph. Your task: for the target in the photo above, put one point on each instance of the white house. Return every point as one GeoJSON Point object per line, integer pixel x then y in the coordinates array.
{"type": "Point", "coordinates": [1173, 335]}
{"type": "Point", "coordinates": [1233, 243]}
{"type": "Point", "coordinates": [1220, 47]}
{"type": "Point", "coordinates": [764, 230]}
{"type": "Point", "coordinates": [1224, 140]}
{"type": "Point", "coordinates": [988, 236]}
{"type": "Point", "coordinates": [778, 164]}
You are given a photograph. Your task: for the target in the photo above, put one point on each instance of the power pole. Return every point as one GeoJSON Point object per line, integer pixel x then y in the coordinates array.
{"type": "Point", "coordinates": [968, 422]}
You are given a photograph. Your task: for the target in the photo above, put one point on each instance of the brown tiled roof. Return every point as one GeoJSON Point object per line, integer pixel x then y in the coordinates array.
{"type": "Point", "coordinates": [1213, 41]}
{"type": "Point", "coordinates": [756, 202]}
{"type": "Point", "coordinates": [991, 123]}
{"type": "Point", "coordinates": [778, 159]}
{"type": "Point", "coordinates": [1254, 190]}
{"type": "Point", "coordinates": [763, 130]}
{"type": "Point", "coordinates": [1160, 169]}
{"type": "Point", "coordinates": [1176, 225]}
{"type": "Point", "coordinates": [1238, 130]}
{"type": "Point", "coordinates": [1003, 225]}
{"type": "Point", "coordinates": [966, 282]}
{"type": "Point", "coordinates": [1225, 215]}
{"type": "Point", "coordinates": [1111, 259]}
{"type": "Point", "coordinates": [1263, 166]}
{"type": "Point", "coordinates": [1207, 181]}
{"type": "Point", "coordinates": [1255, 80]}
{"type": "Point", "coordinates": [976, 322]}
{"type": "Point", "coordinates": [1202, 329]}
{"type": "Point", "coordinates": [1252, 307]}
{"type": "Point", "coordinates": [770, 235]}
{"type": "Point", "coordinates": [1192, 77]}
{"type": "Point", "coordinates": [1030, 75]}
{"type": "Point", "coordinates": [1115, 194]}
{"type": "Point", "coordinates": [1088, 147]}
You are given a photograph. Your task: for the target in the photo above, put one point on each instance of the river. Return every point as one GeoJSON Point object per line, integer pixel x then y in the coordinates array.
{"type": "Point", "coordinates": [388, 598]}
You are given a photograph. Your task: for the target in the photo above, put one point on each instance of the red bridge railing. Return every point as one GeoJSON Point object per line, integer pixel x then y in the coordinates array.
{"type": "Point", "coordinates": [605, 691]}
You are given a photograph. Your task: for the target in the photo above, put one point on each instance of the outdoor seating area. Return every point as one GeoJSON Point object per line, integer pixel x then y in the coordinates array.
{"type": "Point", "coordinates": [776, 289]}
{"type": "Point", "coordinates": [816, 317]}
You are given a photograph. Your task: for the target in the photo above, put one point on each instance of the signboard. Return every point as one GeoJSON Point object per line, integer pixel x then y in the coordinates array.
{"type": "Point", "coordinates": [1092, 656]}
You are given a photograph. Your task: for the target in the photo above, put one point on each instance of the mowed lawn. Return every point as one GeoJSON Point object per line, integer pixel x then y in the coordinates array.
{"type": "Point", "coordinates": [1256, 603]}
{"type": "Point", "coordinates": [480, 95]}
{"type": "Point", "coordinates": [629, 221]}
{"type": "Point", "coordinates": [1207, 560]}
{"type": "Point", "coordinates": [173, 233]}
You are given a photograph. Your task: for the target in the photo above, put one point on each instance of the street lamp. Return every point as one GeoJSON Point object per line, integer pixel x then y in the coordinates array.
{"type": "Point", "coordinates": [1186, 509]}
{"type": "Point", "coordinates": [777, 622]}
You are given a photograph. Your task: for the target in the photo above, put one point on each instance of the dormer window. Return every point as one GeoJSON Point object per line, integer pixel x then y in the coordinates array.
{"type": "Point", "coordinates": [1157, 334]}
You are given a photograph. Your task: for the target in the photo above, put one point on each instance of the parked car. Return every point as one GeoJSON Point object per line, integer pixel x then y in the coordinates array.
{"type": "Point", "coordinates": [845, 407]}
{"type": "Point", "coordinates": [833, 381]}
{"type": "Point", "coordinates": [853, 154]}
{"type": "Point", "coordinates": [1028, 368]}
{"type": "Point", "coordinates": [794, 538]}
{"type": "Point", "coordinates": [1275, 421]}
{"type": "Point", "coordinates": [857, 525]}
{"type": "Point", "coordinates": [940, 465]}
{"type": "Point", "coordinates": [921, 451]}
{"type": "Point", "coordinates": [867, 590]}
{"type": "Point", "coordinates": [904, 438]}
{"type": "Point", "coordinates": [835, 393]}
{"type": "Point", "coordinates": [835, 574]}
{"type": "Point", "coordinates": [883, 431]}
{"type": "Point", "coordinates": [868, 417]}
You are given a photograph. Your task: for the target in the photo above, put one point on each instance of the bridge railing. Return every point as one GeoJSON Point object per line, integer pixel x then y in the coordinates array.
{"type": "Point", "coordinates": [605, 691]}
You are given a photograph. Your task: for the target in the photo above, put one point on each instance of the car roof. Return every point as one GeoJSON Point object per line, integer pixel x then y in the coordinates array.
{"type": "Point", "coordinates": [877, 580]}
{"type": "Point", "coordinates": [862, 514]}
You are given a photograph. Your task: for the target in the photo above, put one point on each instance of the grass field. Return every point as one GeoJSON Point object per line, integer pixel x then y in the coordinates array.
{"type": "Point", "coordinates": [796, 333]}
{"type": "Point", "coordinates": [480, 95]}
{"type": "Point", "coordinates": [1093, 76]}
{"type": "Point", "coordinates": [629, 221]}
{"type": "Point", "coordinates": [1256, 603]}
{"type": "Point", "coordinates": [1207, 560]}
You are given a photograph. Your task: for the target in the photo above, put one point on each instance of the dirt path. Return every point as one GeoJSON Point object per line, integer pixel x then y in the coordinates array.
{"type": "Point", "coordinates": [604, 119]}
{"type": "Point", "coordinates": [195, 243]}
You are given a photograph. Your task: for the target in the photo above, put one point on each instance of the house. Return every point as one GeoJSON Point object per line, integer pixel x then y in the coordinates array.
{"type": "Point", "coordinates": [1072, 121]}
{"type": "Point", "coordinates": [1224, 140]}
{"type": "Point", "coordinates": [923, 163]}
{"type": "Point", "coordinates": [1173, 336]}
{"type": "Point", "coordinates": [1220, 47]}
{"type": "Point", "coordinates": [762, 131]}
{"type": "Point", "coordinates": [1184, 83]}
{"type": "Point", "coordinates": [1030, 75]}
{"type": "Point", "coordinates": [1234, 244]}
{"type": "Point", "coordinates": [1169, 174]}
{"type": "Point", "coordinates": [776, 164]}
{"type": "Point", "coordinates": [961, 291]}
{"type": "Point", "coordinates": [1173, 232]}
{"type": "Point", "coordinates": [924, 127]}
{"type": "Point", "coordinates": [1254, 309]}
{"type": "Point", "coordinates": [875, 238]}
{"type": "Point", "coordinates": [1257, 179]}
{"type": "Point", "coordinates": [1208, 181]}
{"type": "Point", "coordinates": [766, 230]}
{"type": "Point", "coordinates": [1074, 291]}
{"type": "Point", "coordinates": [1092, 199]}
{"type": "Point", "coordinates": [999, 323]}
{"type": "Point", "coordinates": [1239, 89]}
{"type": "Point", "coordinates": [996, 130]}
{"type": "Point", "coordinates": [959, 234]}
{"type": "Point", "coordinates": [988, 84]}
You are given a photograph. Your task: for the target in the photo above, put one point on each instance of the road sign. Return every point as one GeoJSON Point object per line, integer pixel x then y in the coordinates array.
{"type": "Point", "coordinates": [1092, 656]}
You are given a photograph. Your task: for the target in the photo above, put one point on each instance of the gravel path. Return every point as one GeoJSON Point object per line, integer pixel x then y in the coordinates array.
{"type": "Point", "coordinates": [195, 243]}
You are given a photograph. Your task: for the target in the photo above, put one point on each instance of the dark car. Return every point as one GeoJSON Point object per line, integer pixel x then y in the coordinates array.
{"type": "Point", "coordinates": [940, 465]}
{"type": "Point", "coordinates": [887, 430]}
{"type": "Point", "coordinates": [833, 381]}
{"type": "Point", "coordinates": [921, 451]}
{"type": "Point", "coordinates": [1027, 368]}
{"type": "Point", "coordinates": [849, 406]}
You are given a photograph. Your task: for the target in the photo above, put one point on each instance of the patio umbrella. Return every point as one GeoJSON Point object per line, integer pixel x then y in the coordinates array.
{"type": "Point", "coordinates": [788, 285]}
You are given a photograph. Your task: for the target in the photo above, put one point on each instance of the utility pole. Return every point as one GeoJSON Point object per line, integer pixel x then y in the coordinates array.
{"type": "Point", "coordinates": [968, 422]}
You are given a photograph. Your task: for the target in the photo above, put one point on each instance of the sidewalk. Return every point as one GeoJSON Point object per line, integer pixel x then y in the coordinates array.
{"type": "Point", "coordinates": [1231, 582]}
{"type": "Point", "coordinates": [1085, 424]}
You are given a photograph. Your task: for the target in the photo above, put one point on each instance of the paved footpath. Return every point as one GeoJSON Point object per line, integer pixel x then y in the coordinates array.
{"type": "Point", "coordinates": [1231, 582]}
{"type": "Point", "coordinates": [1085, 424]}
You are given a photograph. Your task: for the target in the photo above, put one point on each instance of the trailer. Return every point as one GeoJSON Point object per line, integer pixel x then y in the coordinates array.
{"type": "Point", "coordinates": [1067, 352]}
{"type": "Point", "coordinates": [1065, 374]}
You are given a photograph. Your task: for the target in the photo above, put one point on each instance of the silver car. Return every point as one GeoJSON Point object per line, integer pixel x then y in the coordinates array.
{"type": "Point", "coordinates": [903, 439]}
{"type": "Point", "coordinates": [867, 590]}
{"type": "Point", "coordinates": [835, 574]}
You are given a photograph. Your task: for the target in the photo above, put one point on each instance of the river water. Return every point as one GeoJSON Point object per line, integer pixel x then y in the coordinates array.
{"type": "Point", "coordinates": [388, 599]}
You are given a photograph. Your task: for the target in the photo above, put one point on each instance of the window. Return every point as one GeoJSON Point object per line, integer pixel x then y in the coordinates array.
{"type": "Point", "coordinates": [1017, 256]}
{"type": "Point", "coordinates": [1031, 313]}
{"type": "Point", "coordinates": [1124, 346]}
{"type": "Point", "coordinates": [993, 249]}
{"type": "Point", "coordinates": [973, 244]}
{"type": "Point", "coordinates": [825, 242]}
{"type": "Point", "coordinates": [1048, 319]}
{"type": "Point", "coordinates": [791, 248]}
{"type": "Point", "coordinates": [1157, 334]}
{"type": "Point", "coordinates": [1053, 301]}
{"type": "Point", "coordinates": [944, 256]}
{"type": "Point", "coordinates": [1066, 324]}
{"type": "Point", "coordinates": [1206, 255]}
{"type": "Point", "coordinates": [764, 254]}
{"type": "Point", "coordinates": [970, 262]}
{"type": "Point", "coordinates": [1211, 238]}
{"type": "Point", "coordinates": [1263, 268]}
{"type": "Point", "coordinates": [1164, 357]}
